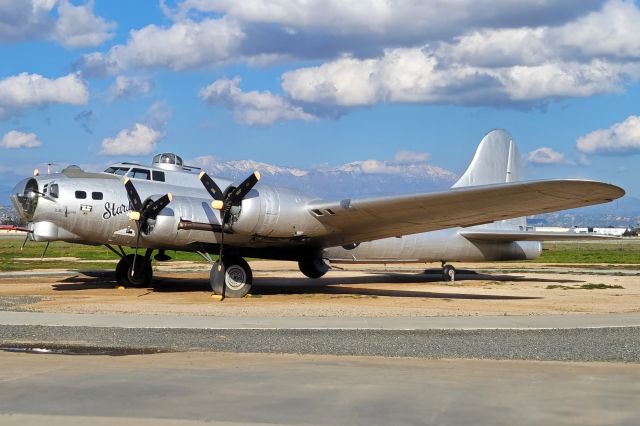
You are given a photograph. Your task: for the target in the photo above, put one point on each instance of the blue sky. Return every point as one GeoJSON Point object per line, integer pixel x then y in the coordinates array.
{"type": "Point", "coordinates": [312, 83]}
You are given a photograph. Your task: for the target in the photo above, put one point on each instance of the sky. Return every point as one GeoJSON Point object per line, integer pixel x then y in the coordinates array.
{"type": "Point", "coordinates": [311, 83]}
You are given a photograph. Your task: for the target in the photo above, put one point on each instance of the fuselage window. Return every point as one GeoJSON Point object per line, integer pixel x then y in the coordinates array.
{"type": "Point", "coordinates": [158, 176]}
{"type": "Point", "coordinates": [53, 190]}
{"type": "Point", "coordinates": [139, 174]}
{"type": "Point", "coordinates": [81, 195]}
{"type": "Point", "coordinates": [120, 171]}
{"type": "Point", "coordinates": [96, 195]}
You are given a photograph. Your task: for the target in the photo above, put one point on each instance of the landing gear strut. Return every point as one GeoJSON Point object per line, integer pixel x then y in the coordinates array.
{"type": "Point", "coordinates": [448, 272]}
{"type": "Point", "coordinates": [140, 276]}
{"type": "Point", "coordinates": [237, 277]}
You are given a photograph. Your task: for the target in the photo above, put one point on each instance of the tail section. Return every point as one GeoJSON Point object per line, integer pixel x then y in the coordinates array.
{"type": "Point", "coordinates": [497, 160]}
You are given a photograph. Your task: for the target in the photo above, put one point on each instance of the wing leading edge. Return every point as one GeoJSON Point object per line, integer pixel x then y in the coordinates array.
{"type": "Point", "coordinates": [352, 221]}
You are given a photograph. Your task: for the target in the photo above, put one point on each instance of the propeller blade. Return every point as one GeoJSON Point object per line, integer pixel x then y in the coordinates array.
{"type": "Point", "coordinates": [212, 188]}
{"type": "Point", "coordinates": [243, 189]}
{"type": "Point", "coordinates": [135, 253]}
{"type": "Point", "coordinates": [26, 238]}
{"type": "Point", "coordinates": [152, 210]}
{"type": "Point", "coordinates": [134, 198]}
{"type": "Point", "coordinates": [218, 277]}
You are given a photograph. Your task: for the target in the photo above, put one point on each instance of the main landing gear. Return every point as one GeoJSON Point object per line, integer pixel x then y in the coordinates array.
{"type": "Point", "coordinates": [314, 267]}
{"type": "Point", "coordinates": [237, 277]}
{"type": "Point", "coordinates": [138, 275]}
{"type": "Point", "coordinates": [448, 272]}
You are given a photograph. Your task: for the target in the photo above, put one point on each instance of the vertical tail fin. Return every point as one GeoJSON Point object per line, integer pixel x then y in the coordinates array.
{"type": "Point", "coordinates": [497, 160]}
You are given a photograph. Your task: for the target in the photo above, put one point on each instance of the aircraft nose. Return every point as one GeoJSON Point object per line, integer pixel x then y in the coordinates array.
{"type": "Point", "coordinates": [24, 197]}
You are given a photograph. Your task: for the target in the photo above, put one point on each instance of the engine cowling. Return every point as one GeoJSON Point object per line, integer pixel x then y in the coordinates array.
{"type": "Point", "coordinates": [164, 229]}
{"type": "Point", "coordinates": [265, 212]}
{"type": "Point", "coordinates": [276, 213]}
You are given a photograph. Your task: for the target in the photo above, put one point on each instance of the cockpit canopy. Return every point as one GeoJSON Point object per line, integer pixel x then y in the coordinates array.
{"type": "Point", "coordinates": [167, 161]}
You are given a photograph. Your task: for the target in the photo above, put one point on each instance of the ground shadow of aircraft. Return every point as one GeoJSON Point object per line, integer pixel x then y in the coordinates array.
{"type": "Point", "coordinates": [333, 285]}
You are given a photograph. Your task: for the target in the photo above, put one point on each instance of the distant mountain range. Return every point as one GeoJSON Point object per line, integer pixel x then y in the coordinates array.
{"type": "Point", "coordinates": [377, 178]}
{"type": "Point", "coordinates": [360, 178]}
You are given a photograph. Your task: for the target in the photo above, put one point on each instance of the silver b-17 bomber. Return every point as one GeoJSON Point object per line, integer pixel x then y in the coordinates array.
{"type": "Point", "coordinates": [172, 206]}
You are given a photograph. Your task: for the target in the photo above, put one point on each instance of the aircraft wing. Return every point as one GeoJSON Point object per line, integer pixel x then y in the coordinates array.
{"type": "Point", "coordinates": [353, 221]}
{"type": "Point", "coordinates": [489, 235]}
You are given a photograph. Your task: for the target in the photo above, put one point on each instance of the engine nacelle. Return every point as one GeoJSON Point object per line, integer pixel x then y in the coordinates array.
{"type": "Point", "coordinates": [164, 229]}
{"type": "Point", "coordinates": [264, 212]}
{"type": "Point", "coordinates": [276, 213]}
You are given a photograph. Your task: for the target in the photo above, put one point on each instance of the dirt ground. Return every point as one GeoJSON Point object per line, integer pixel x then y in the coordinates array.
{"type": "Point", "coordinates": [353, 291]}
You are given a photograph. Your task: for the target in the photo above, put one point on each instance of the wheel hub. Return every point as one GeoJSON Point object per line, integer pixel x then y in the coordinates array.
{"type": "Point", "coordinates": [236, 277]}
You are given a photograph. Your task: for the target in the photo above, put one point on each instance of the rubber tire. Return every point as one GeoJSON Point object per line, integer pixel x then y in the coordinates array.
{"type": "Point", "coordinates": [123, 269]}
{"type": "Point", "coordinates": [314, 268]}
{"type": "Point", "coordinates": [233, 266]}
{"type": "Point", "coordinates": [447, 270]}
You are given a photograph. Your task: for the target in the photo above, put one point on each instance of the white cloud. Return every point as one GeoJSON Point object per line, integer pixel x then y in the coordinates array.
{"type": "Point", "coordinates": [256, 32]}
{"type": "Point", "coordinates": [619, 139]}
{"type": "Point", "coordinates": [486, 52]}
{"type": "Point", "coordinates": [74, 26]}
{"type": "Point", "coordinates": [500, 47]}
{"type": "Point", "coordinates": [15, 139]}
{"type": "Point", "coordinates": [184, 45]}
{"type": "Point", "coordinates": [400, 19]}
{"type": "Point", "coordinates": [545, 156]}
{"type": "Point", "coordinates": [127, 87]}
{"type": "Point", "coordinates": [24, 19]}
{"type": "Point", "coordinates": [401, 75]}
{"type": "Point", "coordinates": [141, 138]}
{"type": "Point", "coordinates": [77, 26]}
{"type": "Point", "coordinates": [488, 66]}
{"type": "Point", "coordinates": [252, 108]}
{"type": "Point", "coordinates": [563, 79]}
{"type": "Point", "coordinates": [30, 90]}
{"type": "Point", "coordinates": [611, 31]}
{"type": "Point", "coordinates": [418, 75]}
{"type": "Point", "coordinates": [137, 140]}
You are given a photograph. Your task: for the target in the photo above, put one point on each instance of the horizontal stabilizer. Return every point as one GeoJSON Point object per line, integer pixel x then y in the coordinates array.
{"type": "Point", "coordinates": [496, 235]}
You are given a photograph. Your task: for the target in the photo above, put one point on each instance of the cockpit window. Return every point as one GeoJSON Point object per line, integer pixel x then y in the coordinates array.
{"type": "Point", "coordinates": [140, 174]}
{"type": "Point", "coordinates": [53, 190]}
{"type": "Point", "coordinates": [119, 171]}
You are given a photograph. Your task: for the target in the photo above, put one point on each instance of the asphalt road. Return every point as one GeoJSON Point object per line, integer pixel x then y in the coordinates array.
{"type": "Point", "coordinates": [194, 388]}
{"type": "Point", "coordinates": [595, 344]}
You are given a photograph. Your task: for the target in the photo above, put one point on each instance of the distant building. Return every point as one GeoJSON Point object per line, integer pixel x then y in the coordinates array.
{"type": "Point", "coordinates": [615, 232]}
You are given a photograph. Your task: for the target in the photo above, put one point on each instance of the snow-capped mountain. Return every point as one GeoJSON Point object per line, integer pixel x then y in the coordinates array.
{"type": "Point", "coordinates": [360, 178]}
